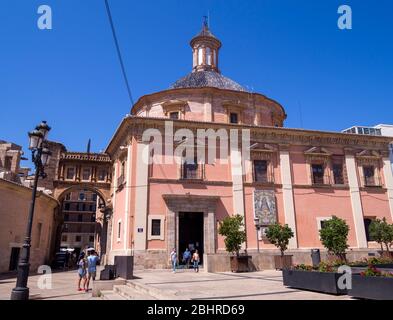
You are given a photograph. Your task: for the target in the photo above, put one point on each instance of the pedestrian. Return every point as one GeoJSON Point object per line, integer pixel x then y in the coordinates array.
{"type": "Point", "coordinates": [187, 258]}
{"type": "Point", "coordinates": [195, 260]}
{"type": "Point", "coordinates": [173, 259]}
{"type": "Point", "coordinates": [92, 261]}
{"type": "Point", "coordinates": [82, 273]}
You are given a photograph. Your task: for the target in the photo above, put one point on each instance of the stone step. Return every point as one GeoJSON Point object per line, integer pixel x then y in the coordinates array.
{"type": "Point", "coordinates": [130, 293]}
{"type": "Point", "coordinates": [158, 294]}
{"type": "Point", "coordinates": [111, 295]}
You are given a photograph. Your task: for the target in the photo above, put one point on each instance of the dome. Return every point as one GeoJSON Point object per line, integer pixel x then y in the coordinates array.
{"type": "Point", "coordinates": [201, 79]}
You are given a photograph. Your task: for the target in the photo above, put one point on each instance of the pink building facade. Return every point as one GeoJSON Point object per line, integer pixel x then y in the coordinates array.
{"type": "Point", "coordinates": [162, 200]}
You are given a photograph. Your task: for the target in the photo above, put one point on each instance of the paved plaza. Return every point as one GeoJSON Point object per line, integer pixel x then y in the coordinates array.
{"type": "Point", "coordinates": [185, 284]}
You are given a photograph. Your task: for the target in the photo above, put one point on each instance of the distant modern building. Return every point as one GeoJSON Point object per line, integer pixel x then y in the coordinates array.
{"type": "Point", "coordinates": [378, 130]}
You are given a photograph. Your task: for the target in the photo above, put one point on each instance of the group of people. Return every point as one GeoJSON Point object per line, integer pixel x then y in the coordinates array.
{"type": "Point", "coordinates": [187, 258]}
{"type": "Point", "coordinates": [87, 269]}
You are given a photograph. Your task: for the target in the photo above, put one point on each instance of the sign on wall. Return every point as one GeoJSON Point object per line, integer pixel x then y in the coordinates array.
{"type": "Point", "coordinates": [265, 207]}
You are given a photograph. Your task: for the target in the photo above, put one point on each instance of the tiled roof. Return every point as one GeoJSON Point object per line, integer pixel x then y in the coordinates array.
{"type": "Point", "coordinates": [201, 79]}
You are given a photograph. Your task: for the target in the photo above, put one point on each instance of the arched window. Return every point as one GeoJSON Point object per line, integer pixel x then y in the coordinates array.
{"type": "Point", "coordinates": [209, 56]}
{"type": "Point", "coordinates": [200, 55]}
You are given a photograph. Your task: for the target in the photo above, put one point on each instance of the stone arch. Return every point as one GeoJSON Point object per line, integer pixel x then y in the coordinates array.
{"type": "Point", "coordinates": [103, 193]}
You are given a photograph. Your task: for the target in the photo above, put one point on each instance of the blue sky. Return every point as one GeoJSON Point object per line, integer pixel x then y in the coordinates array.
{"type": "Point", "coordinates": [291, 51]}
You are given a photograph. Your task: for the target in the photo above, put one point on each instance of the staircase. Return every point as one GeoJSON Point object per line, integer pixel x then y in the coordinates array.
{"type": "Point", "coordinates": [134, 290]}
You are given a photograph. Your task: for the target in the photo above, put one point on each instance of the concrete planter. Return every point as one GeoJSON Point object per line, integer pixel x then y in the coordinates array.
{"type": "Point", "coordinates": [373, 288]}
{"type": "Point", "coordinates": [325, 282]}
{"type": "Point", "coordinates": [283, 262]}
{"type": "Point", "coordinates": [240, 263]}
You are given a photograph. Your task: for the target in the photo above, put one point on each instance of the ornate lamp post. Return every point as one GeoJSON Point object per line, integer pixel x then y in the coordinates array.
{"type": "Point", "coordinates": [40, 157]}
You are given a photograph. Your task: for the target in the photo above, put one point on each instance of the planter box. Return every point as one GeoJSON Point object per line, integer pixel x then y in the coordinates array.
{"type": "Point", "coordinates": [284, 262]}
{"type": "Point", "coordinates": [378, 266]}
{"type": "Point", "coordinates": [325, 282]}
{"type": "Point", "coordinates": [240, 263]}
{"type": "Point", "coordinates": [373, 288]}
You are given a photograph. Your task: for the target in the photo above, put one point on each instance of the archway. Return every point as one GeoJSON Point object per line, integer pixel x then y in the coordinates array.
{"type": "Point", "coordinates": [83, 219]}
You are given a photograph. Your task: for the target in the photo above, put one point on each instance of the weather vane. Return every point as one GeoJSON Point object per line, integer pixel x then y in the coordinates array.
{"type": "Point", "coordinates": [206, 21]}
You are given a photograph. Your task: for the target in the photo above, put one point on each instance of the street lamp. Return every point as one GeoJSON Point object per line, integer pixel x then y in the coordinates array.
{"type": "Point", "coordinates": [40, 157]}
{"type": "Point", "coordinates": [257, 227]}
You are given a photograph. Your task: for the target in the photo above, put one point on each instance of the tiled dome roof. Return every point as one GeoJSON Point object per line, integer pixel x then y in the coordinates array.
{"type": "Point", "coordinates": [201, 79]}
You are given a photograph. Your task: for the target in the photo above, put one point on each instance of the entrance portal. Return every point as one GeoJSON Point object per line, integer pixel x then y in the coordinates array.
{"type": "Point", "coordinates": [191, 233]}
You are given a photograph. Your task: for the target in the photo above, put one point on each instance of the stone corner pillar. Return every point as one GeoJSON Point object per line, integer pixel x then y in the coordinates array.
{"type": "Point", "coordinates": [356, 201]}
{"type": "Point", "coordinates": [287, 190]}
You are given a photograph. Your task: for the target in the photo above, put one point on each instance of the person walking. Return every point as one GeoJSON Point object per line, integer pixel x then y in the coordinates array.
{"type": "Point", "coordinates": [187, 258]}
{"type": "Point", "coordinates": [173, 259]}
{"type": "Point", "coordinates": [195, 261]}
{"type": "Point", "coordinates": [82, 273]}
{"type": "Point", "coordinates": [92, 261]}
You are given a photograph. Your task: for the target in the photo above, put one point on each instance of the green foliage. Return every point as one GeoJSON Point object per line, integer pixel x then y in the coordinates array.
{"type": "Point", "coordinates": [381, 232]}
{"type": "Point", "coordinates": [279, 236]}
{"type": "Point", "coordinates": [371, 271]}
{"type": "Point", "coordinates": [232, 228]}
{"type": "Point", "coordinates": [334, 236]}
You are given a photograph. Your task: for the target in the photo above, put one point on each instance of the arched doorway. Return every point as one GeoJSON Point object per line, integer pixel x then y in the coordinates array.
{"type": "Point", "coordinates": [83, 220]}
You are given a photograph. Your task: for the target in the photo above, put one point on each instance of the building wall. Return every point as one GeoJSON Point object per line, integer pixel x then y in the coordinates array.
{"type": "Point", "coordinates": [15, 202]}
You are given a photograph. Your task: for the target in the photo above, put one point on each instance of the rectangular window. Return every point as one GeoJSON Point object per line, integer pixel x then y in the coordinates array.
{"type": "Point", "coordinates": [119, 230]}
{"type": "Point", "coordinates": [338, 173]}
{"type": "Point", "coordinates": [78, 238]}
{"type": "Point", "coordinates": [8, 163]}
{"type": "Point", "coordinates": [369, 176]}
{"type": "Point", "coordinates": [234, 117]}
{"type": "Point", "coordinates": [317, 173]}
{"type": "Point", "coordinates": [94, 197]}
{"type": "Point", "coordinates": [80, 217]}
{"type": "Point", "coordinates": [66, 217]}
{"type": "Point", "coordinates": [82, 196]}
{"type": "Point", "coordinates": [39, 233]}
{"type": "Point", "coordinates": [174, 115]}
{"type": "Point", "coordinates": [67, 206]}
{"type": "Point", "coordinates": [101, 175]}
{"type": "Point", "coordinates": [260, 171]}
{"type": "Point", "coordinates": [367, 222]}
{"type": "Point", "coordinates": [68, 196]}
{"type": "Point", "coordinates": [64, 238]}
{"type": "Point", "coordinates": [155, 227]}
{"type": "Point", "coordinates": [86, 174]}
{"type": "Point", "coordinates": [190, 170]}
{"type": "Point", "coordinates": [91, 238]}
{"type": "Point", "coordinates": [70, 173]}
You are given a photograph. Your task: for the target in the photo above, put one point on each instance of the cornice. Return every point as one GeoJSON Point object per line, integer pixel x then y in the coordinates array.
{"type": "Point", "coordinates": [284, 137]}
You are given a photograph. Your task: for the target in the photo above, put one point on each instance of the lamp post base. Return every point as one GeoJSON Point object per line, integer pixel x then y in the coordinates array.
{"type": "Point", "coordinates": [20, 293]}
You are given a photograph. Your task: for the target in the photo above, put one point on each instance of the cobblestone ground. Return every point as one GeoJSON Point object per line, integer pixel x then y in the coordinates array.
{"type": "Point", "coordinates": [264, 285]}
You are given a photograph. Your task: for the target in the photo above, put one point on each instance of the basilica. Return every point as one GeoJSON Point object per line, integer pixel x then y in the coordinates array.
{"type": "Point", "coordinates": [295, 177]}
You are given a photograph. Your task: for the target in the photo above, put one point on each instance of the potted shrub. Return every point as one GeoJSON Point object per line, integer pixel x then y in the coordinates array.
{"type": "Point", "coordinates": [334, 237]}
{"type": "Point", "coordinates": [372, 284]}
{"type": "Point", "coordinates": [279, 236]}
{"type": "Point", "coordinates": [323, 278]}
{"type": "Point", "coordinates": [382, 232]}
{"type": "Point", "coordinates": [232, 228]}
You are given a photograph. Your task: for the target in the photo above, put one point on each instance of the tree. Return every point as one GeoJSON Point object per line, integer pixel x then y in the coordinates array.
{"type": "Point", "coordinates": [279, 236]}
{"type": "Point", "coordinates": [232, 228]}
{"type": "Point", "coordinates": [381, 232]}
{"type": "Point", "coordinates": [334, 236]}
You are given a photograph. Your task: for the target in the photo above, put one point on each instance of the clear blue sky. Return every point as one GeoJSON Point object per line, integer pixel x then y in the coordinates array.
{"type": "Point", "coordinates": [291, 51]}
